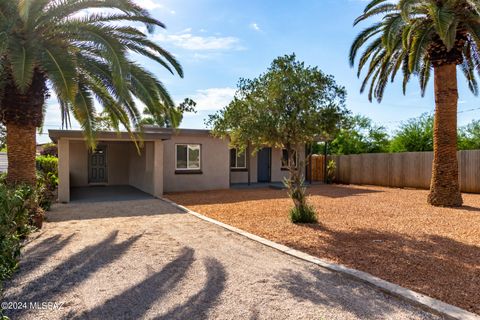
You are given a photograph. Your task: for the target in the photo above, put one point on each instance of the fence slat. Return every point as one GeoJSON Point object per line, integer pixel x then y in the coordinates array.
{"type": "Point", "coordinates": [408, 169]}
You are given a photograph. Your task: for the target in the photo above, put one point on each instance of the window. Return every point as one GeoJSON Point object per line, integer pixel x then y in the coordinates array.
{"type": "Point", "coordinates": [285, 159]}
{"type": "Point", "coordinates": [238, 160]}
{"type": "Point", "coordinates": [188, 156]}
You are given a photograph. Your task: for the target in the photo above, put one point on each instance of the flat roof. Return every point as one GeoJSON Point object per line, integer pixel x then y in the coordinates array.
{"type": "Point", "coordinates": [150, 133]}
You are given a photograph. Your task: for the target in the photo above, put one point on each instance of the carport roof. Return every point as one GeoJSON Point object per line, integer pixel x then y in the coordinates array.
{"type": "Point", "coordinates": [150, 133]}
{"type": "Point", "coordinates": [108, 135]}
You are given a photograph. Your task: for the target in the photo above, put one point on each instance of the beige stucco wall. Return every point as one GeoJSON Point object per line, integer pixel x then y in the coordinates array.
{"type": "Point", "coordinates": [117, 163]}
{"type": "Point", "coordinates": [141, 166]}
{"type": "Point", "coordinates": [215, 164]}
{"type": "Point", "coordinates": [277, 173]}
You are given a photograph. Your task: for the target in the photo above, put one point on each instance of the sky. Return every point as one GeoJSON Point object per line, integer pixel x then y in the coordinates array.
{"type": "Point", "coordinates": [220, 41]}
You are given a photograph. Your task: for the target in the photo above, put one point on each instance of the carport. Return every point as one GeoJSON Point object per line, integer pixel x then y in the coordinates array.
{"type": "Point", "coordinates": [115, 162]}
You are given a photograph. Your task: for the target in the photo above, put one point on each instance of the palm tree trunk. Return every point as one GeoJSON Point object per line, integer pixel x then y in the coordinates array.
{"type": "Point", "coordinates": [21, 151]}
{"type": "Point", "coordinates": [444, 188]}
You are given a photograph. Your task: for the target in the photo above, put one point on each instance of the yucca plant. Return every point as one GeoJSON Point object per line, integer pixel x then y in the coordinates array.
{"type": "Point", "coordinates": [84, 58]}
{"type": "Point", "coordinates": [416, 37]}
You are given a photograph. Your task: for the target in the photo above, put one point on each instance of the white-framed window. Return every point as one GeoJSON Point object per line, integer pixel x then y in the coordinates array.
{"type": "Point", "coordinates": [238, 160]}
{"type": "Point", "coordinates": [285, 159]}
{"type": "Point", "coordinates": [188, 156]}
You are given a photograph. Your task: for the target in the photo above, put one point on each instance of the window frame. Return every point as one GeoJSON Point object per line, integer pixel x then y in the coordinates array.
{"type": "Point", "coordinates": [236, 160]}
{"type": "Point", "coordinates": [288, 159]}
{"type": "Point", "coordinates": [199, 169]}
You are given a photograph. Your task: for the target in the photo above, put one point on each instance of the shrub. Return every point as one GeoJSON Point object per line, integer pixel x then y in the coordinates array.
{"type": "Point", "coordinates": [17, 207]}
{"type": "Point", "coordinates": [50, 149]}
{"type": "Point", "coordinates": [46, 186]}
{"type": "Point", "coordinates": [47, 164]}
{"type": "Point", "coordinates": [331, 169]}
{"type": "Point", "coordinates": [303, 214]}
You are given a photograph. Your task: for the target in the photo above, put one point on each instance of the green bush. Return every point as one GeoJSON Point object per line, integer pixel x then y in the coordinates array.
{"type": "Point", "coordinates": [47, 180]}
{"type": "Point", "coordinates": [331, 169]}
{"type": "Point", "coordinates": [50, 149]}
{"type": "Point", "coordinates": [47, 164]}
{"type": "Point", "coordinates": [17, 208]}
{"type": "Point", "coordinates": [303, 214]}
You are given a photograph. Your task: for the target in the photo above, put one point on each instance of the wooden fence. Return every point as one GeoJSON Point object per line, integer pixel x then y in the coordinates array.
{"type": "Point", "coordinates": [409, 169]}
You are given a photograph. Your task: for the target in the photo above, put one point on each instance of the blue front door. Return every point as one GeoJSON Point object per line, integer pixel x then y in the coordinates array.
{"type": "Point", "coordinates": [264, 157]}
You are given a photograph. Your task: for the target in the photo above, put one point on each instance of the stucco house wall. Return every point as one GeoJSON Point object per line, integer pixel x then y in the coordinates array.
{"type": "Point", "coordinates": [117, 163]}
{"type": "Point", "coordinates": [215, 163]}
{"type": "Point", "coordinates": [277, 174]}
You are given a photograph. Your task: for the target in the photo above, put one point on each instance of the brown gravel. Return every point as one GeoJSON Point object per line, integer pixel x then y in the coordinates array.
{"type": "Point", "coordinates": [390, 233]}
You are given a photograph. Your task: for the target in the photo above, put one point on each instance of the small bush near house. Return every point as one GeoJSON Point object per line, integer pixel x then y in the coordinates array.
{"type": "Point", "coordinates": [17, 208]}
{"type": "Point", "coordinates": [47, 164]}
{"type": "Point", "coordinates": [50, 149]}
{"type": "Point", "coordinates": [302, 212]}
{"type": "Point", "coordinates": [47, 181]}
{"type": "Point", "coordinates": [331, 169]}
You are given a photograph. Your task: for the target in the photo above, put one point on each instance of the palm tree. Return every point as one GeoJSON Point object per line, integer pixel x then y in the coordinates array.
{"type": "Point", "coordinates": [416, 36]}
{"type": "Point", "coordinates": [81, 56]}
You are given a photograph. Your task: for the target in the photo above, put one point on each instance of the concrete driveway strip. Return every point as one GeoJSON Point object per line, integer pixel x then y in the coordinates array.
{"type": "Point", "coordinates": [144, 259]}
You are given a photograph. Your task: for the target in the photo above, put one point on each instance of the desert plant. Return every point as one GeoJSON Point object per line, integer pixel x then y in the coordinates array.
{"type": "Point", "coordinates": [302, 212]}
{"type": "Point", "coordinates": [331, 169]}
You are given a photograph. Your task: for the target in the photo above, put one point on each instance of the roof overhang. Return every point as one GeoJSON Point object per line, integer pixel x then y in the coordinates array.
{"type": "Point", "coordinates": [55, 135]}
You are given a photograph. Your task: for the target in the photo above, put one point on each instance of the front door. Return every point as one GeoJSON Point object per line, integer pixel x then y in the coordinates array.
{"type": "Point", "coordinates": [97, 165]}
{"type": "Point", "coordinates": [264, 157]}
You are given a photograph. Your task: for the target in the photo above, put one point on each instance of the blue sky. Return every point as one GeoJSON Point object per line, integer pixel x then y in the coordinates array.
{"type": "Point", "coordinates": [220, 41]}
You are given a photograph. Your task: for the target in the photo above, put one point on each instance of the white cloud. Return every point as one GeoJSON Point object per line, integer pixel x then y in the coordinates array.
{"type": "Point", "coordinates": [213, 99]}
{"type": "Point", "coordinates": [187, 40]}
{"type": "Point", "coordinates": [255, 26]}
{"type": "Point", "coordinates": [149, 4]}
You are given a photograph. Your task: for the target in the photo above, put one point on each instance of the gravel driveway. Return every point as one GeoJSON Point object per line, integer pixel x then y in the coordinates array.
{"type": "Point", "coordinates": [146, 260]}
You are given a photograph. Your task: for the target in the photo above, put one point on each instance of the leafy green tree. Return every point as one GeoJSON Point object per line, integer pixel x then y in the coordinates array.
{"type": "Point", "coordinates": [173, 117]}
{"type": "Point", "coordinates": [360, 135]}
{"type": "Point", "coordinates": [469, 136]}
{"type": "Point", "coordinates": [288, 106]}
{"type": "Point", "coordinates": [81, 55]}
{"type": "Point", "coordinates": [415, 134]}
{"type": "Point", "coordinates": [417, 37]}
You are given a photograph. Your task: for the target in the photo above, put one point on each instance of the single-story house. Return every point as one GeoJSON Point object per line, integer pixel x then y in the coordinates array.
{"type": "Point", "coordinates": [171, 160]}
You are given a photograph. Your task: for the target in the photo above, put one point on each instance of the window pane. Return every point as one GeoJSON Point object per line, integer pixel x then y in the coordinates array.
{"type": "Point", "coordinates": [181, 157]}
{"type": "Point", "coordinates": [193, 156]}
{"type": "Point", "coordinates": [284, 158]}
{"type": "Point", "coordinates": [241, 160]}
{"type": "Point", "coordinates": [233, 157]}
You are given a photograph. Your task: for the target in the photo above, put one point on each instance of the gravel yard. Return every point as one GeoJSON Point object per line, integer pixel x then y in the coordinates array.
{"type": "Point", "coordinates": [390, 233]}
{"type": "Point", "coordinates": [146, 260]}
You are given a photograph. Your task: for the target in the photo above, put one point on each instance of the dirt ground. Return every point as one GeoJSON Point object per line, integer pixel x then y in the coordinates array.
{"type": "Point", "coordinates": [145, 259]}
{"type": "Point", "coordinates": [390, 233]}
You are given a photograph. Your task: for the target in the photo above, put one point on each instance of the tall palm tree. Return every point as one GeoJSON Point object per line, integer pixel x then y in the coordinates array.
{"type": "Point", "coordinates": [83, 57]}
{"type": "Point", "coordinates": [416, 36]}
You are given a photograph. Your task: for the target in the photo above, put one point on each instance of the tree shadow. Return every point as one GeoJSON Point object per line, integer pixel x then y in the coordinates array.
{"type": "Point", "coordinates": [72, 272]}
{"type": "Point", "coordinates": [437, 266]}
{"type": "Point", "coordinates": [198, 305]}
{"type": "Point", "coordinates": [334, 291]}
{"type": "Point", "coordinates": [260, 194]}
{"type": "Point", "coordinates": [36, 255]}
{"type": "Point", "coordinates": [136, 301]}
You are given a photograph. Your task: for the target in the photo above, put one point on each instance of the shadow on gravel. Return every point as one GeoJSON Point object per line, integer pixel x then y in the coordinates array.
{"type": "Point", "coordinates": [262, 194]}
{"type": "Point", "coordinates": [135, 302]}
{"type": "Point", "coordinates": [198, 305]}
{"type": "Point", "coordinates": [72, 272]}
{"type": "Point", "coordinates": [322, 288]}
{"type": "Point", "coordinates": [437, 266]}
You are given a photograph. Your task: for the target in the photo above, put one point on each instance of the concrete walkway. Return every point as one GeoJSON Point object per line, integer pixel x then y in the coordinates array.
{"type": "Point", "coordinates": [143, 259]}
